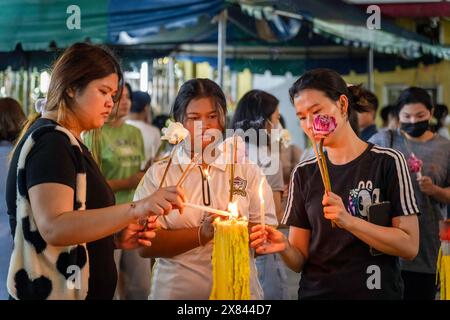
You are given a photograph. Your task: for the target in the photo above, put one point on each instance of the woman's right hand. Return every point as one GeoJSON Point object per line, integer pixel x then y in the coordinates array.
{"type": "Point", "coordinates": [161, 202]}
{"type": "Point", "coordinates": [267, 240]}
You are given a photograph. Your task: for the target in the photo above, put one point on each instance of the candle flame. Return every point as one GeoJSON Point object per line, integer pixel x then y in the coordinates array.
{"type": "Point", "coordinates": [233, 209]}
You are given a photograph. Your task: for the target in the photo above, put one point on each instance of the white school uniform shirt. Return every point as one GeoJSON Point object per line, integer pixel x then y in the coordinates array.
{"type": "Point", "coordinates": [189, 275]}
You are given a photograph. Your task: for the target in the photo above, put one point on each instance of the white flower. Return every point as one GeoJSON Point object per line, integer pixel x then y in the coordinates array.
{"type": "Point", "coordinates": [285, 138]}
{"type": "Point", "coordinates": [174, 133]}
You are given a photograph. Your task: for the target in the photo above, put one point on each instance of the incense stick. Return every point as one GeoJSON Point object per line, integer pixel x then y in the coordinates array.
{"type": "Point", "coordinates": [167, 167]}
{"type": "Point", "coordinates": [188, 169]}
{"type": "Point", "coordinates": [232, 167]}
{"type": "Point", "coordinates": [207, 209]}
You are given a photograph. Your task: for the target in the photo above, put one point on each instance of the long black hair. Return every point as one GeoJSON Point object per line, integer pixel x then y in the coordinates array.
{"type": "Point", "coordinates": [254, 110]}
{"type": "Point", "coordinates": [196, 89]}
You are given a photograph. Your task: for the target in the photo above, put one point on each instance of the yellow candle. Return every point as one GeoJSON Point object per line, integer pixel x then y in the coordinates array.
{"type": "Point", "coordinates": [231, 260]}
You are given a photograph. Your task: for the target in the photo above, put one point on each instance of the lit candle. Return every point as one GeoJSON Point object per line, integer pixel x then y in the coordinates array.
{"type": "Point", "coordinates": [207, 209]}
{"type": "Point", "coordinates": [261, 204]}
{"type": "Point", "coordinates": [231, 258]}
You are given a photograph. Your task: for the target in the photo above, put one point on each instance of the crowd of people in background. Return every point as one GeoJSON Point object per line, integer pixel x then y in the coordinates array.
{"type": "Point", "coordinates": [96, 146]}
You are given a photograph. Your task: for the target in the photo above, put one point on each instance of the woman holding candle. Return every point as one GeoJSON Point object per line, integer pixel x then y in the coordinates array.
{"type": "Point", "coordinates": [259, 111]}
{"type": "Point", "coordinates": [121, 156]}
{"type": "Point", "coordinates": [338, 263]}
{"type": "Point", "coordinates": [428, 157]}
{"type": "Point", "coordinates": [62, 214]}
{"type": "Point", "coordinates": [183, 244]}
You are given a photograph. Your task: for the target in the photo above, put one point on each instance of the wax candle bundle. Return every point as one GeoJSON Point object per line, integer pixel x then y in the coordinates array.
{"type": "Point", "coordinates": [231, 260]}
{"type": "Point", "coordinates": [443, 263]}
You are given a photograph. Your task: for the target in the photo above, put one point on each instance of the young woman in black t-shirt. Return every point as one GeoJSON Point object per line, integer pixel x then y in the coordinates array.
{"type": "Point", "coordinates": [341, 262]}
{"type": "Point", "coordinates": [49, 182]}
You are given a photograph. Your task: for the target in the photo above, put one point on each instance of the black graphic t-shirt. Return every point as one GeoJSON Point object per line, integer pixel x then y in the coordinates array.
{"type": "Point", "coordinates": [340, 265]}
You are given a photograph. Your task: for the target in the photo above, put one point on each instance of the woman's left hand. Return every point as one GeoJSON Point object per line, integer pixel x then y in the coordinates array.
{"type": "Point", "coordinates": [334, 209]}
{"type": "Point", "coordinates": [136, 235]}
{"type": "Point", "coordinates": [426, 185]}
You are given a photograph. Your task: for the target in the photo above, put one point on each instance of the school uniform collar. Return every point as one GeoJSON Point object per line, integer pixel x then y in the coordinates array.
{"type": "Point", "coordinates": [183, 159]}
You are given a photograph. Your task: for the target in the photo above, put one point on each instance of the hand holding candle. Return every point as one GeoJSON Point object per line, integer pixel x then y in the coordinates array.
{"type": "Point", "coordinates": [262, 208]}
{"type": "Point", "coordinates": [208, 209]}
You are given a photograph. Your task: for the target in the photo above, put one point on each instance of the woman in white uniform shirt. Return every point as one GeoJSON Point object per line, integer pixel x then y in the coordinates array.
{"type": "Point", "coordinates": [183, 245]}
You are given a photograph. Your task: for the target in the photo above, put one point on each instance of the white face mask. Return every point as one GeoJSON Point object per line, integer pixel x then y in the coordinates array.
{"type": "Point", "coordinates": [280, 134]}
{"type": "Point", "coordinates": [277, 126]}
{"type": "Point", "coordinates": [275, 129]}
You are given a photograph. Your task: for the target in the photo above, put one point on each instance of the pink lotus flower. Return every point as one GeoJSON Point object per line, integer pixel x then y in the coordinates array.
{"type": "Point", "coordinates": [414, 163]}
{"type": "Point", "coordinates": [323, 125]}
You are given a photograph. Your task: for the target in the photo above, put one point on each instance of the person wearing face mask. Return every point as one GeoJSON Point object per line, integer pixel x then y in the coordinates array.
{"type": "Point", "coordinates": [431, 183]}
{"type": "Point", "coordinates": [337, 262]}
{"type": "Point", "coordinates": [259, 111]}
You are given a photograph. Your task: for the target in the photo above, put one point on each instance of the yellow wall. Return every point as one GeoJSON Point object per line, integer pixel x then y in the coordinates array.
{"type": "Point", "coordinates": [202, 70]}
{"type": "Point", "coordinates": [189, 69]}
{"type": "Point", "coordinates": [445, 32]}
{"type": "Point", "coordinates": [245, 83]}
{"type": "Point", "coordinates": [433, 75]}
{"type": "Point", "coordinates": [407, 24]}
{"type": "Point", "coordinates": [437, 75]}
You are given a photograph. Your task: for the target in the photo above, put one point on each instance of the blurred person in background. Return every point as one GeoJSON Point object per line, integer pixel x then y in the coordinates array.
{"type": "Point", "coordinates": [160, 121]}
{"type": "Point", "coordinates": [430, 180]}
{"type": "Point", "coordinates": [141, 117]}
{"type": "Point", "coordinates": [12, 119]}
{"type": "Point", "coordinates": [366, 120]}
{"type": "Point", "coordinates": [289, 155]}
{"type": "Point", "coordinates": [259, 110]}
{"type": "Point", "coordinates": [440, 114]}
{"type": "Point", "coordinates": [389, 117]}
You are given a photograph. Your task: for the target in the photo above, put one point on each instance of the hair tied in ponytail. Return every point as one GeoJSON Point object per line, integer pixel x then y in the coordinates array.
{"type": "Point", "coordinates": [360, 98]}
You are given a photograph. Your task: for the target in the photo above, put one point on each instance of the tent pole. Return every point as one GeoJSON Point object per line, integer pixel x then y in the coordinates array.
{"type": "Point", "coordinates": [370, 80]}
{"type": "Point", "coordinates": [172, 91]}
{"type": "Point", "coordinates": [222, 41]}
